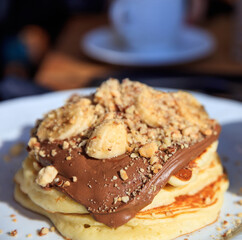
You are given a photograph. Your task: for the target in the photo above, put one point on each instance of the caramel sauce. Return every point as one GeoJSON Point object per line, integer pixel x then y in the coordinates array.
{"type": "Point", "coordinates": [186, 202]}
{"type": "Point", "coordinates": [184, 174]}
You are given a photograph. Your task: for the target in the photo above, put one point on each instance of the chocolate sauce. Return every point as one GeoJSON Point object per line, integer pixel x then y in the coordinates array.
{"type": "Point", "coordinates": [99, 186]}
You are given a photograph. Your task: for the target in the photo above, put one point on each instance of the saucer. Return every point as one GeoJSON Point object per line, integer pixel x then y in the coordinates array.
{"type": "Point", "coordinates": [102, 45]}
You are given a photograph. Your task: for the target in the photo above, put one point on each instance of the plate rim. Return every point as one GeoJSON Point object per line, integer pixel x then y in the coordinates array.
{"type": "Point", "coordinates": [69, 92]}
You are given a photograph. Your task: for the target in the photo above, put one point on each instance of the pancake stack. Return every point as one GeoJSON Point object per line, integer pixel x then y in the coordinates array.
{"type": "Point", "coordinates": [127, 162]}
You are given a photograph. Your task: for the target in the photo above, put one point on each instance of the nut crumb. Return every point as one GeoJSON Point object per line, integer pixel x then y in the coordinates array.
{"type": "Point", "coordinates": [53, 152]}
{"type": "Point", "coordinates": [115, 200]}
{"type": "Point", "coordinates": [125, 199]}
{"type": "Point", "coordinates": [68, 158]}
{"type": "Point", "coordinates": [208, 132]}
{"type": "Point", "coordinates": [240, 202]}
{"type": "Point", "coordinates": [123, 174]}
{"type": "Point", "coordinates": [46, 175]}
{"type": "Point", "coordinates": [13, 233]}
{"type": "Point", "coordinates": [239, 215]}
{"type": "Point", "coordinates": [148, 150]}
{"type": "Point", "coordinates": [43, 231]}
{"type": "Point", "coordinates": [32, 142]}
{"type": "Point", "coordinates": [42, 153]}
{"type": "Point", "coordinates": [114, 177]}
{"type": "Point", "coordinates": [228, 232]}
{"type": "Point", "coordinates": [65, 145]}
{"type": "Point", "coordinates": [74, 179]}
{"type": "Point", "coordinates": [225, 223]}
{"type": "Point", "coordinates": [238, 221]}
{"type": "Point", "coordinates": [52, 229]}
{"type": "Point", "coordinates": [153, 160]}
{"type": "Point", "coordinates": [1, 231]}
{"type": "Point", "coordinates": [29, 235]}
{"type": "Point", "coordinates": [156, 167]}
{"type": "Point", "coordinates": [134, 155]}
{"type": "Point", "coordinates": [66, 184]}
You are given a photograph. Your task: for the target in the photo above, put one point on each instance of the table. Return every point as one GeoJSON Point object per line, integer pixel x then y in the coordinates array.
{"type": "Point", "coordinates": [67, 67]}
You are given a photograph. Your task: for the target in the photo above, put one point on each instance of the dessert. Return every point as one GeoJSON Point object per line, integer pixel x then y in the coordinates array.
{"type": "Point", "coordinates": [127, 162]}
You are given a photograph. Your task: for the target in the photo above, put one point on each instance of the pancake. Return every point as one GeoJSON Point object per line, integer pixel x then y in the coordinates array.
{"type": "Point", "coordinates": [128, 162]}
{"type": "Point", "coordinates": [186, 213]}
{"type": "Point", "coordinates": [55, 201]}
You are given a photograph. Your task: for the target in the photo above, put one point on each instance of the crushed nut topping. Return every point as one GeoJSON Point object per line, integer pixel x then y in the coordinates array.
{"type": "Point", "coordinates": [52, 229]}
{"type": "Point", "coordinates": [43, 231]}
{"type": "Point", "coordinates": [46, 175]}
{"type": "Point", "coordinates": [114, 178]}
{"type": "Point", "coordinates": [65, 145]}
{"type": "Point", "coordinates": [240, 202]}
{"type": "Point", "coordinates": [13, 233]}
{"type": "Point", "coordinates": [32, 142]}
{"type": "Point", "coordinates": [148, 150]}
{"type": "Point", "coordinates": [239, 215]}
{"type": "Point", "coordinates": [153, 160]}
{"type": "Point", "coordinates": [143, 121]}
{"type": "Point", "coordinates": [129, 119]}
{"type": "Point", "coordinates": [156, 167]}
{"type": "Point", "coordinates": [74, 179]}
{"type": "Point", "coordinates": [42, 153]}
{"type": "Point", "coordinates": [53, 152]}
{"type": "Point", "coordinates": [66, 184]}
{"type": "Point", "coordinates": [125, 199]}
{"type": "Point", "coordinates": [68, 158]}
{"type": "Point", "coordinates": [123, 174]}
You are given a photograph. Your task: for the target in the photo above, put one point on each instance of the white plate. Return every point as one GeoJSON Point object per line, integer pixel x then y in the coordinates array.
{"type": "Point", "coordinates": [18, 116]}
{"type": "Point", "coordinates": [102, 45]}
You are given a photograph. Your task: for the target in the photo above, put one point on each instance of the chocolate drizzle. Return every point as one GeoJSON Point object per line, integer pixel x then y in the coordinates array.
{"type": "Point", "coordinates": [99, 184]}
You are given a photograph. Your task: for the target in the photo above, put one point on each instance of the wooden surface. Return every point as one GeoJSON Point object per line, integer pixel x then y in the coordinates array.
{"type": "Point", "coordinates": [67, 67]}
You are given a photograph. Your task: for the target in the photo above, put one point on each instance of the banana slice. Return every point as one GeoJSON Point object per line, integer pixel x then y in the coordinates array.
{"type": "Point", "coordinates": [200, 162]}
{"type": "Point", "coordinates": [207, 156]}
{"type": "Point", "coordinates": [190, 108]}
{"type": "Point", "coordinates": [108, 94]}
{"type": "Point", "coordinates": [107, 140]}
{"type": "Point", "coordinates": [178, 182]}
{"type": "Point", "coordinates": [69, 120]}
{"type": "Point", "coordinates": [155, 107]}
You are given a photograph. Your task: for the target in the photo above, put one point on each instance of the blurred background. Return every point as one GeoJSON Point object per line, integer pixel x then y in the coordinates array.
{"type": "Point", "coordinates": [41, 51]}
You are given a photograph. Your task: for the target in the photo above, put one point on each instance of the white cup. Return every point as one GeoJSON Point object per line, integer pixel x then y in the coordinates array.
{"type": "Point", "coordinates": [147, 24]}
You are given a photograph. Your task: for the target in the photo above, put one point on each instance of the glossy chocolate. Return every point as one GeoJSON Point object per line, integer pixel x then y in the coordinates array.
{"type": "Point", "coordinates": [99, 186]}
